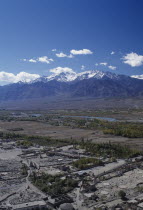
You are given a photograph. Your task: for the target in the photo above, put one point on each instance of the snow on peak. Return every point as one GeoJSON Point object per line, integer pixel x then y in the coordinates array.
{"type": "Point", "coordinates": [62, 74]}
{"type": "Point", "coordinates": [63, 77]}
{"type": "Point", "coordinates": [68, 75]}
{"type": "Point", "coordinates": [95, 74]}
{"type": "Point", "coordinates": [137, 76]}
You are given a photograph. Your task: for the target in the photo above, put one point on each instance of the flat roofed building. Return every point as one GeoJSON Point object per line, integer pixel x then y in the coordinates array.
{"type": "Point", "coordinates": [140, 206]}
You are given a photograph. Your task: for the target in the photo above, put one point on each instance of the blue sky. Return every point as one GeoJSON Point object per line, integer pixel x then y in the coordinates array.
{"type": "Point", "coordinates": [31, 29]}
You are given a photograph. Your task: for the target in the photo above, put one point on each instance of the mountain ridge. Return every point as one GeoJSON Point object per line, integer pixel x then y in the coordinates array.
{"type": "Point", "coordinates": [91, 84]}
{"type": "Point", "coordinates": [73, 76]}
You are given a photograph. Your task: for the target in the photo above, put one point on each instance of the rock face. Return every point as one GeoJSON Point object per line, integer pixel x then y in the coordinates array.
{"type": "Point", "coordinates": [95, 84]}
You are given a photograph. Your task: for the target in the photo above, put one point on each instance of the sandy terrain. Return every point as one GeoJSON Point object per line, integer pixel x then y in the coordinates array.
{"type": "Point", "coordinates": [63, 132]}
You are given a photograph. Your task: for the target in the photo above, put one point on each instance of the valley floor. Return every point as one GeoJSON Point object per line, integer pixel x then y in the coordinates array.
{"type": "Point", "coordinates": [60, 159]}
{"type": "Point", "coordinates": [78, 103]}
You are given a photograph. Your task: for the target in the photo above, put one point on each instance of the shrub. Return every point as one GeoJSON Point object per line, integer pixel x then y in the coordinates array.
{"type": "Point", "coordinates": [122, 194]}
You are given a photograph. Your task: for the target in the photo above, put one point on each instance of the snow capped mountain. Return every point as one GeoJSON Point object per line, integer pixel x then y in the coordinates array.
{"type": "Point", "coordinates": [137, 76]}
{"type": "Point", "coordinates": [96, 74]}
{"type": "Point", "coordinates": [73, 76]}
{"type": "Point", "coordinates": [90, 74]}
{"type": "Point", "coordinates": [96, 84]}
{"type": "Point", "coordinates": [60, 74]}
{"type": "Point", "coordinates": [63, 77]}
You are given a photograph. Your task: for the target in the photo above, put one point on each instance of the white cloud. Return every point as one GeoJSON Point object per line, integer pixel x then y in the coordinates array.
{"type": "Point", "coordinates": [45, 59]}
{"type": "Point", "coordinates": [25, 77]}
{"type": "Point", "coordinates": [54, 50]}
{"type": "Point", "coordinates": [103, 64]}
{"type": "Point", "coordinates": [70, 56]}
{"type": "Point", "coordinates": [32, 60]}
{"type": "Point", "coordinates": [112, 67]}
{"type": "Point", "coordinates": [82, 67]}
{"type": "Point", "coordinates": [96, 64]}
{"type": "Point", "coordinates": [112, 53]}
{"type": "Point", "coordinates": [59, 70]}
{"type": "Point", "coordinates": [81, 52]}
{"type": "Point", "coordinates": [69, 74]}
{"type": "Point", "coordinates": [7, 78]}
{"type": "Point", "coordinates": [24, 59]}
{"type": "Point", "coordinates": [133, 59]}
{"type": "Point", "coordinates": [62, 55]}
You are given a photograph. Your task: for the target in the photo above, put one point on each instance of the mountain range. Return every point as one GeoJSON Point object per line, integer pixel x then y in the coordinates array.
{"type": "Point", "coordinates": [70, 76]}
{"type": "Point", "coordinates": [96, 84]}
